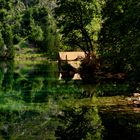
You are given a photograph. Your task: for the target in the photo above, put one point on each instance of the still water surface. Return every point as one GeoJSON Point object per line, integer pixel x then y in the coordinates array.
{"type": "Point", "coordinates": [36, 105]}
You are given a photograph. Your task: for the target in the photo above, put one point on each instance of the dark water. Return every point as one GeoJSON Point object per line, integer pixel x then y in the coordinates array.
{"type": "Point", "coordinates": [35, 105]}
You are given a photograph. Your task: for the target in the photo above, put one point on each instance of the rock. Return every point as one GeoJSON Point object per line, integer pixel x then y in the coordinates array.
{"type": "Point", "coordinates": [136, 94]}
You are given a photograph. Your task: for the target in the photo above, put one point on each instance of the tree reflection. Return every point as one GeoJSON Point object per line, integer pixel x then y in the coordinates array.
{"type": "Point", "coordinates": [35, 82]}
{"type": "Point", "coordinates": [120, 125]}
{"type": "Point", "coordinates": [6, 75]}
{"type": "Point", "coordinates": [79, 123]}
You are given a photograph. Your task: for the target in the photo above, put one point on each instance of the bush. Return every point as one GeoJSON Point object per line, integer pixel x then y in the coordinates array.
{"type": "Point", "coordinates": [88, 68]}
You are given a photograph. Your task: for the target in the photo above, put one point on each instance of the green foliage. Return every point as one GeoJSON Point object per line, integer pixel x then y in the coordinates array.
{"type": "Point", "coordinates": [1, 45]}
{"type": "Point", "coordinates": [8, 39]}
{"type": "Point", "coordinates": [40, 29]}
{"type": "Point", "coordinates": [119, 36]}
{"type": "Point", "coordinates": [51, 38]}
{"type": "Point", "coordinates": [36, 33]}
{"type": "Point", "coordinates": [6, 29]}
{"type": "Point", "coordinates": [30, 3]}
{"type": "Point", "coordinates": [29, 21]}
{"type": "Point", "coordinates": [74, 19]}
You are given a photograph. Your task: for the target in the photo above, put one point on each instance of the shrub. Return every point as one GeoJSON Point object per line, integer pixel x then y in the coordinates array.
{"type": "Point", "coordinates": [88, 68]}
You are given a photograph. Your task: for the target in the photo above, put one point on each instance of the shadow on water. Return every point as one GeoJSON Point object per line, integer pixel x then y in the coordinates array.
{"type": "Point", "coordinates": [121, 123]}
{"type": "Point", "coordinates": [79, 123]}
{"type": "Point", "coordinates": [35, 105]}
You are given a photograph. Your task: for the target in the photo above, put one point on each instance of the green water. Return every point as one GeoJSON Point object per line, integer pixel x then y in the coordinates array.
{"type": "Point", "coordinates": [36, 105]}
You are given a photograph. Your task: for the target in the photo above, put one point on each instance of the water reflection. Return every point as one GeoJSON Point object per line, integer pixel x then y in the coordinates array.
{"type": "Point", "coordinates": [68, 124]}
{"type": "Point", "coordinates": [121, 124]}
{"type": "Point", "coordinates": [6, 75]}
{"type": "Point", "coordinates": [79, 123]}
{"type": "Point", "coordinates": [35, 104]}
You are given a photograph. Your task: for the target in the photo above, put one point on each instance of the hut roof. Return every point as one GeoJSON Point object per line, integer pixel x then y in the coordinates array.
{"type": "Point", "coordinates": [71, 56]}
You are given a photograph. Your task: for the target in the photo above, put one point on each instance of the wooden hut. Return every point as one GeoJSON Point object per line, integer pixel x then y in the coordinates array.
{"type": "Point", "coordinates": [72, 58]}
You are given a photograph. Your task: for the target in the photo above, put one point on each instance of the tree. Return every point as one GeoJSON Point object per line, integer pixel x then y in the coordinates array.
{"type": "Point", "coordinates": [38, 27]}
{"type": "Point", "coordinates": [30, 3]}
{"type": "Point", "coordinates": [119, 36]}
{"type": "Point", "coordinates": [74, 18]}
{"type": "Point", "coordinates": [6, 29]}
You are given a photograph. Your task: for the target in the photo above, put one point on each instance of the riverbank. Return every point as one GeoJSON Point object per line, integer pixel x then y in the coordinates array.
{"type": "Point", "coordinates": [32, 54]}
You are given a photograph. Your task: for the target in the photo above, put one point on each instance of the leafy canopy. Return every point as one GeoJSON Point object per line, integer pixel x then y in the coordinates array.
{"type": "Point", "coordinates": [119, 36]}
{"type": "Point", "coordinates": [73, 17]}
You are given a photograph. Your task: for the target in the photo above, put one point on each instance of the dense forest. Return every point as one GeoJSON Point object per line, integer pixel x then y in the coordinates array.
{"type": "Point", "coordinates": [40, 102]}
{"type": "Point", "coordinates": [106, 30]}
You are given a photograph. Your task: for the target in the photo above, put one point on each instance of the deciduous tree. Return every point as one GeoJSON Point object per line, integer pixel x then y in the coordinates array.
{"type": "Point", "coordinates": [74, 18]}
{"type": "Point", "coordinates": [120, 33]}
{"type": "Point", "coordinates": [6, 29]}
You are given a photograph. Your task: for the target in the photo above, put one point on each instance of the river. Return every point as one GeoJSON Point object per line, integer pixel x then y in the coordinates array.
{"type": "Point", "coordinates": [36, 105]}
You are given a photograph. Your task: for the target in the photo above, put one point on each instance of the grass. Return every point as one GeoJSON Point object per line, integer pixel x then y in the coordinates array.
{"type": "Point", "coordinates": [26, 53]}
